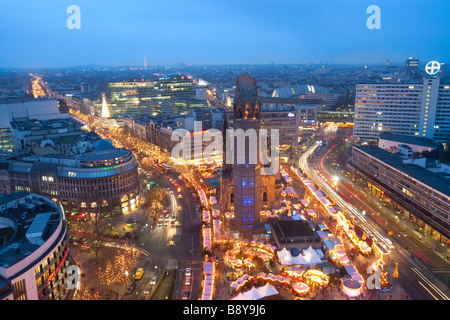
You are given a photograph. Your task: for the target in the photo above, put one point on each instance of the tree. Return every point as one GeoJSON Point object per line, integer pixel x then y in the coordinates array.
{"type": "Point", "coordinates": [108, 275]}
{"type": "Point", "coordinates": [84, 294]}
{"type": "Point", "coordinates": [156, 199]}
{"type": "Point", "coordinates": [97, 231]}
{"type": "Point", "coordinates": [125, 262]}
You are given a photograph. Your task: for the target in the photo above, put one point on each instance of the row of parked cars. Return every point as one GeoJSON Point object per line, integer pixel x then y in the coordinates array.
{"type": "Point", "coordinates": [187, 283]}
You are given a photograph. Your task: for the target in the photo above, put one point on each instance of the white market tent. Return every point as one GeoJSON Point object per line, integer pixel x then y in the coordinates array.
{"type": "Point", "coordinates": [308, 256]}
{"type": "Point", "coordinates": [311, 256]}
{"type": "Point", "coordinates": [257, 293]}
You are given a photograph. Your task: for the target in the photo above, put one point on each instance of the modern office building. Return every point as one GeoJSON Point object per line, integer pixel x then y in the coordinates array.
{"type": "Point", "coordinates": [415, 109]}
{"type": "Point", "coordinates": [33, 248]}
{"type": "Point", "coordinates": [411, 68]}
{"type": "Point", "coordinates": [420, 186]}
{"type": "Point", "coordinates": [153, 96]}
{"type": "Point", "coordinates": [101, 181]}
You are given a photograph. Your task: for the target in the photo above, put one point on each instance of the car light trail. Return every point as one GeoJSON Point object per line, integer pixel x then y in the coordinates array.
{"type": "Point", "coordinates": [349, 209]}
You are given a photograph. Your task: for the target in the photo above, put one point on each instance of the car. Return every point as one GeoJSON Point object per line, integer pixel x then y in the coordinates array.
{"type": "Point", "coordinates": [131, 288]}
{"type": "Point", "coordinates": [153, 281]}
{"type": "Point", "coordinates": [139, 273]}
{"type": "Point", "coordinates": [148, 289]}
{"type": "Point", "coordinates": [185, 295]}
{"type": "Point", "coordinates": [188, 272]}
{"type": "Point", "coordinates": [166, 222]}
{"type": "Point", "coordinates": [187, 281]}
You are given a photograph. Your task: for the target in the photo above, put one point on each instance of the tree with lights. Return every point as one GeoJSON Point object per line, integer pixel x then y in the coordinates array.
{"type": "Point", "coordinates": [108, 275]}
{"type": "Point", "coordinates": [125, 262]}
{"type": "Point", "coordinates": [84, 294]}
{"type": "Point", "coordinates": [156, 199]}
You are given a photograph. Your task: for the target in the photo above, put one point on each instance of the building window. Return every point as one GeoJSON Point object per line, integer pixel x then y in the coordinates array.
{"type": "Point", "coordinates": [19, 290]}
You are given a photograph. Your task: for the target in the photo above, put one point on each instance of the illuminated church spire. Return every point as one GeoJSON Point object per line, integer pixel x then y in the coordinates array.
{"type": "Point", "coordinates": [105, 108]}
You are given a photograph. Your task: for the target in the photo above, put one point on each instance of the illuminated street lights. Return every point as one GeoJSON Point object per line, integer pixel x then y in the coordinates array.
{"type": "Point", "coordinates": [335, 180]}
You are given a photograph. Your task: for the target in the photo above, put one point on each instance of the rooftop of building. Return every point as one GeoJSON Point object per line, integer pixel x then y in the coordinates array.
{"type": "Point", "coordinates": [436, 180]}
{"type": "Point", "coordinates": [103, 155]}
{"type": "Point", "coordinates": [9, 100]}
{"type": "Point", "coordinates": [103, 152]}
{"type": "Point", "coordinates": [27, 124]}
{"type": "Point", "coordinates": [294, 228]}
{"type": "Point", "coordinates": [405, 139]}
{"type": "Point", "coordinates": [296, 90]}
{"type": "Point", "coordinates": [27, 224]}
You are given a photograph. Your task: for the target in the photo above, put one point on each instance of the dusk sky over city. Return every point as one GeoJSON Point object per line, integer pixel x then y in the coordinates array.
{"type": "Point", "coordinates": [220, 32]}
{"type": "Point", "coordinates": [259, 151]}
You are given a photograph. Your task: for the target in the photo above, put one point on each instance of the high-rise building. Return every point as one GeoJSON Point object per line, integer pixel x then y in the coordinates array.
{"type": "Point", "coordinates": [420, 109]}
{"type": "Point", "coordinates": [153, 96]}
{"type": "Point", "coordinates": [412, 68]}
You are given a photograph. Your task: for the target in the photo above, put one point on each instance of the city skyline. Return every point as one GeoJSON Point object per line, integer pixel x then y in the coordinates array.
{"type": "Point", "coordinates": [225, 150]}
{"type": "Point", "coordinates": [204, 33]}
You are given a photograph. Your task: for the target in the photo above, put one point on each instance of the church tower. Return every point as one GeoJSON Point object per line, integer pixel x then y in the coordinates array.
{"type": "Point", "coordinates": [247, 174]}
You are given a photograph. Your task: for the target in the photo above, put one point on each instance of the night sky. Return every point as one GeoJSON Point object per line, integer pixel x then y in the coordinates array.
{"type": "Point", "coordinates": [34, 33]}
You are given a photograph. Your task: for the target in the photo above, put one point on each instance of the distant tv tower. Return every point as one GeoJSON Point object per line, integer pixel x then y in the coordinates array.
{"type": "Point", "coordinates": [145, 62]}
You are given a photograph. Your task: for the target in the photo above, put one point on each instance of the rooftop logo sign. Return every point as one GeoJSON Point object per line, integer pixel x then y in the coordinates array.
{"type": "Point", "coordinates": [432, 67]}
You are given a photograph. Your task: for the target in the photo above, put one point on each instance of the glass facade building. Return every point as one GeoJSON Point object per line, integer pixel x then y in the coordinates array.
{"type": "Point", "coordinates": [165, 95]}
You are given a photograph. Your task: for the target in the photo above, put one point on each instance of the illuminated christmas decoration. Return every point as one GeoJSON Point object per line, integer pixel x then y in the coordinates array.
{"type": "Point", "coordinates": [105, 109]}
{"type": "Point", "coordinates": [395, 274]}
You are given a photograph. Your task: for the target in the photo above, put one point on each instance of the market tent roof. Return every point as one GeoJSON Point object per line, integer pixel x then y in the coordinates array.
{"type": "Point", "coordinates": [332, 209]}
{"type": "Point", "coordinates": [239, 296]}
{"type": "Point", "coordinates": [300, 287]}
{"type": "Point", "coordinates": [253, 294]}
{"type": "Point", "coordinates": [208, 268]}
{"type": "Point", "coordinates": [329, 244]}
{"type": "Point", "coordinates": [257, 293]}
{"type": "Point", "coordinates": [323, 235]}
{"type": "Point", "coordinates": [267, 290]}
{"type": "Point", "coordinates": [311, 256]}
{"type": "Point", "coordinates": [353, 273]}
